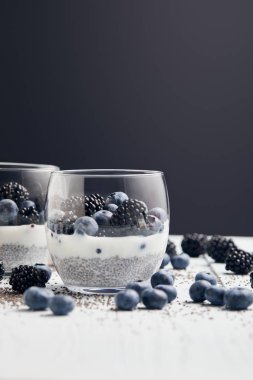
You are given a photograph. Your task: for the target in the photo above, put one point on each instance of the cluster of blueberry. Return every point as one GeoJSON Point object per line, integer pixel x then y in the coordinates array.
{"type": "Point", "coordinates": [205, 288]}
{"type": "Point", "coordinates": [117, 215]}
{"type": "Point", "coordinates": [41, 299]}
{"type": "Point", "coordinates": [155, 296]}
{"type": "Point", "coordinates": [16, 208]}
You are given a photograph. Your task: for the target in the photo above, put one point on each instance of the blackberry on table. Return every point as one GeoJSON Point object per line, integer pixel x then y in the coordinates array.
{"type": "Point", "coordinates": [28, 215]}
{"type": "Point", "coordinates": [25, 276]}
{"type": "Point", "coordinates": [14, 191]}
{"type": "Point", "coordinates": [2, 271]}
{"type": "Point", "coordinates": [64, 224]}
{"type": "Point", "coordinates": [218, 248]}
{"type": "Point", "coordinates": [194, 244]}
{"type": "Point", "coordinates": [171, 248]}
{"type": "Point", "coordinates": [130, 213]}
{"type": "Point", "coordinates": [239, 261]}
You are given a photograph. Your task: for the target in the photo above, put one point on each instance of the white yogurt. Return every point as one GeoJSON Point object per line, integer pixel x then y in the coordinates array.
{"type": "Point", "coordinates": [26, 235]}
{"type": "Point", "coordinates": [84, 246]}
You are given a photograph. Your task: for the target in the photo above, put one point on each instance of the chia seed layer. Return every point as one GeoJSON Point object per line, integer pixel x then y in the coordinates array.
{"type": "Point", "coordinates": [110, 272]}
{"type": "Point", "coordinates": [14, 255]}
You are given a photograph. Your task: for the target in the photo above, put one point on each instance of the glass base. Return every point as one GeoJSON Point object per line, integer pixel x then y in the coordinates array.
{"type": "Point", "coordinates": [94, 290]}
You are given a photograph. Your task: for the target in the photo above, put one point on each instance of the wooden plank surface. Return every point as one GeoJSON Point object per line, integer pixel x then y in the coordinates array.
{"type": "Point", "coordinates": [184, 340]}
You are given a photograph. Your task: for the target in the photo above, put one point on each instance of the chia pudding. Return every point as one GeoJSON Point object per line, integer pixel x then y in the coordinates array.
{"type": "Point", "coordinates": [98, 242]}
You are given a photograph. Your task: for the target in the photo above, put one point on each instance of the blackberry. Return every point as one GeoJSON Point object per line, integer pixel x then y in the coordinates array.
{"type": "Point", "coordinates": [84, 205]}
{"type": "Point", "coordinates": [171, 248]}
{"type": "Point", "coordinates": [64, 224]}
{"type": "Point", "coordinates": [130, 213]}
{"type": "Point", "coordinates": [14, 191]}
{"type": "Point", "coordinates": [75, 204]}
{"type": "Point", "coordinates": [28, 215]}
{"type": "Point", "coordinates": [2, 271]}
{"type": "Point", "coordinates": [239, 261]}
{"type": "Point", "coordinates": [25, 276]}
{"type": "Point", "coordinates": [218, 248]}
{"type": "Point", "coordinates": [194, 244]}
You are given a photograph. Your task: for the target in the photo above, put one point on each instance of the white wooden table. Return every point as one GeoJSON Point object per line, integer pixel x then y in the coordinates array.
{"type": "Point", "coordinates": [183, 341]}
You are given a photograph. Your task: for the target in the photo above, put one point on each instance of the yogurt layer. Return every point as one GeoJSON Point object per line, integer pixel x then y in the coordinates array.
{"type": "Point", "coordinates": [89, 247]}
{"type": "Point", "coordinates": [26, 235]}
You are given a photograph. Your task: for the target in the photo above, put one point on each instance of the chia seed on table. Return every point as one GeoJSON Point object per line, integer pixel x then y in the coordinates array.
{"type": "Point", "coordinates": [13, 255]}
{"type": "Point", "coordinates": [110, 272]}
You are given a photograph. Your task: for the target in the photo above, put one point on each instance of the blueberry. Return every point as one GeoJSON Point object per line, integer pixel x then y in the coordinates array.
{"type": "Point", "coordinates": [27, 204]}
{"type": "Point", "coordinates": [86, 225]}
{"type": "Point", "coordinates": [45, 269]}
{"type": "Point", "coordinates": [238, 298]}
{"type": "Point", "coordinates": [166, 260]}
{"type": "Point", "coordinates": [170, 291]}
{"type": "Point", "coordinates": [180, 261]}
{"type": "Point", "coordinates": [111, 207]}
{"type": "Point", "coordinates": [117, 198]}
{"type": "Point", "coordinates": [206, 276]}
{"type": "Point", "coordinates": [215, 295]}
{"type": "Point", "coordinates": [154, 298]}
{"type": "Point", "coordinates": [127, 299]}
{"type": "Point", "coordinates": [61, 305]}
{"type": "Point", "coordinates": [161, 277]}
{"type": "Point", "coordinates": [154, 223]}
{"type": "Point", "coordinates": [137, 286]}
{"type": "Point", "coordinates": [37, 298]}
{"type": "Point", "coordinates": [8, 212]}
{"type": "Point", "coordinates": [198, 289]}
{"type": "Point", "coordinates": [102, 217]}
{"type": "Point", "coordinates": [160, 213]}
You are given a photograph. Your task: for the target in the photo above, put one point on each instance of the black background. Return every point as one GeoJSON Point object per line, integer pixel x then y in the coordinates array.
{"type": "Point", "coordinates": [161, 85]}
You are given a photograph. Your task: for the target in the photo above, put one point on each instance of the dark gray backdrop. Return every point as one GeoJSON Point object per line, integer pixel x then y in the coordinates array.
{"type": "Point", "coordinates": [136, 84]}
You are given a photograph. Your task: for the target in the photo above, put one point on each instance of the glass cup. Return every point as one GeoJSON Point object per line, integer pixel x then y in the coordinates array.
{"type": "Point", "coordinates": [106, 228]}
{"type": "Point", "coordinates": [23, 189]}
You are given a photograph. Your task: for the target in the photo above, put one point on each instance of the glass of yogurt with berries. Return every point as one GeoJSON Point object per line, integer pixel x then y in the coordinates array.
{"type": "Point", "coordinates": [23, 189]}
{"type": "Point", "coordinates": [106, 228]}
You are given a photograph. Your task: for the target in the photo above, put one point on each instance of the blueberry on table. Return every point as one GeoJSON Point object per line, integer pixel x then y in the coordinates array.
{"type": "Point", "coordinates": [162, 277]}
{"type": "Point", "coordinates": [117, 198]}
{"type": "Point", "coordinates": [127, 299]}
{"type": "Point", "coordinates": [215, 295]}
{"type": "Point", "coordinates": [238, 298]}
{"type": "Point", "coordinates": [159, 213]}
{"type": "Point", "coordinates": [198, 289]}
{"type": "Point", "coordinates": [137, 286]}
{"type": "Point", "coordinates": [37, 298]}
{"type": "Point", "coordinates": [171, 248]}
{"type": "Point", "coordinates": [61, 305]}
{"type": "Point", "coordinates": [170, 291]}
{"type": "Point", "coordinates": [111, 207]}
{"type": "Point", "coordinates": [8, 212]}
{"type": "Point", "coordinates": [206, 276]}
{"type": "Point", "coordinates": [180, 261]}
{"type": "Point", "coordinates": [154, 298]}
{"type": "Point", "coordinates": [102, 217]}
{"type": "Point", "coordinates": [86, 225]}
{"type": "Point", "coordinates": [45, 269]}
{"type": "Point", "coordinates": [166, 261]}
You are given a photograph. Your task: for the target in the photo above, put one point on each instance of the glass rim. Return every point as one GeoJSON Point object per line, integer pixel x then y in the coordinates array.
{"type": "Point", "coordinates": [103, 173]}
{"type": "Point", "coordinates": [17, 166]}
